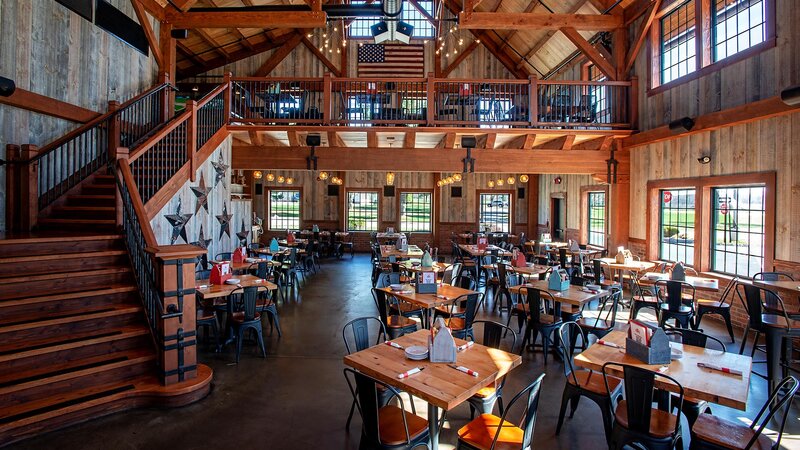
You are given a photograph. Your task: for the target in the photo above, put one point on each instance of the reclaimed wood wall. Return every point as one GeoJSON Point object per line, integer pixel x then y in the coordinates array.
{"type": "Point", "coordinates": [47, 49]}
{"type": "Point", "coordinates": [570, 189]}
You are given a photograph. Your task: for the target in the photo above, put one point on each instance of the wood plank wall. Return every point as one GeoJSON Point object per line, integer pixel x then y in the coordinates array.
{"type": "Point", "coordinates": [570, 188]}
{"type": "Point", "coordinates": [49, 50]}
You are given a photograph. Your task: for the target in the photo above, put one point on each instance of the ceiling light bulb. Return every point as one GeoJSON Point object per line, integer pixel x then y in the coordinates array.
{"type": "Point", "coordinates": [491, 183]}
{"type": "Point", "coordinates": [523, 178]}
{"type": "Point", "coordinates": [457, 177]}
{"type": "Point", "coordinates": [257, 174]}
{"type": "Point", "coordinates": [499, 182]}
{"type": "Point", "coordinates": [308, 35]}
{"type": "Point", "coordinates": [511, 180]}
{"type": "Point", "coordinates": [389, 178]}
{"type": "Point", "coordinates": [324, 35]}
{"type": "Point", "coordinates": [335, 29]}
{"type": "Point", "coordinates": [270, 177]}
{"type": "Point", "coordinates": [289, 180]}
{"type": "Point", "coordinates": [281, 178]}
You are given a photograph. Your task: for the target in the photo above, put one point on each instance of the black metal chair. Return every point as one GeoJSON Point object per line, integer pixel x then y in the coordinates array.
{"type": "Point", "coordinates": [673, 299]}
{"type": "Point", "coordinates": [721, 307]}
{"type": "Point", "coordinates": [770, 302]}
{"type": "Point", "coordinates": [243, 316]}
{"type": "Point", "coordinates": [224, 256]}
{"type": "Point", "coordinates": [461, 326]}
{"type": "Point", "coordinates": [606, 319]}
{"type": "Point", "coordinates": [636, 421]}
{"type": "Point", "coordinates": [488, 431]}
{"type": "Point", "coordinates": [395, 325]}
{"type": "Point", "coordinates": [207, 318]}
{"type": "Point", "coordinates": [266, 304]}
{"type": "Point", "coordinates": [387, 427]}
{"type": "Point", "coordinates": [713, 432]}
{"type": "Point", "coordinates": [544, 318]}
{"type": "Point", "coordinates": [642, 297]}
{"type": "Point", "coordinates": [584, 383]}
{"type": "Point", "coordinates": [484, 399]}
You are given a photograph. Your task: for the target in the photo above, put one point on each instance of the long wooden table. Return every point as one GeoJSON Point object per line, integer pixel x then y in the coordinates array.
{"type": "Point", "coordinates": [473, 250]}
{"type": "Point", "coordinates": [704, 384]}
{"type": "Point", "coordinates": [222, 291]}
{"type": "Point", "coordinates": [438, 384]}
{"type": "Point", "coordinates": [390, 250]}
{"type": "Point", "coordinates": [573, 295]}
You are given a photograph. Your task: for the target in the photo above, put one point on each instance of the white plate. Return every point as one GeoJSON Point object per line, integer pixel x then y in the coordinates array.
{"type": "Point", "coordinates": [396, 287]}
{"type": "Point", "coordinates": [593, 287]}
{"type": "Point", "coordinates": [417, 352]}
{"type": "Point", "coordinates": [233, 281]}
{"type": "Point", "coordinates": [675, 354]}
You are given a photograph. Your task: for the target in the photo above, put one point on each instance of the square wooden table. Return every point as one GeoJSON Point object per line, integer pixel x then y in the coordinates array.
{"type": "Point", "coordinates": [415, 266]}
{"type": "Point", "coordinates": [699, 283]}
{"type": "Point", "coordinates": [529, 270]}
{"type": "Point", "coordinates": [390, 250]}
{"type": "Point", "coordinates": [222, 291]}
{"type": "Point", "coordinates": [573, 295]}
{"type": "Point", "coordinates": [445, 295]}
{"type": "Point", "coordinates": [296, 242]}
{"type": "Point", "coordinates": [472, 250]}
{"type": "Point", "coordinates": [438, 384]}
{"type": "Point", "coordinates": [704, 384]}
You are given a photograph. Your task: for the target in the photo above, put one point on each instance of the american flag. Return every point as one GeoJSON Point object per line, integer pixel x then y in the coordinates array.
{"type": "Point", "coordinates": [391, 60]}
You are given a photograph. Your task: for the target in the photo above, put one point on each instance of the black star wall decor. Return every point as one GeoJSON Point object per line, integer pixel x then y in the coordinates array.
{"type": "Point", "coordinates": [178, 222]}
{"type": "Point", "coordinates": [202, 242]}
{"type": "Point", "coordinates": [224, 221]}
{"type": "Point", "coordinates": [242, 235]}
{"type": "Point", "coordinates": [201, 193]}
{"type": "Point", "coordinates": [220, 169]}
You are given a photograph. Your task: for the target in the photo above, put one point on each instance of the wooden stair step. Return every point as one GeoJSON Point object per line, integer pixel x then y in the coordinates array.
{"type": "Point", "coordinates": [63, 282]}
{"type": "Point", "coordinates": [64, 221]}
{"type": "Point", "coordinates": [79, 211]}
{"type": "Point", "coordinates": [58, 243]}
{"type": "Point", "coordinates": [91, 200]}
{"type": "Point", "coordinates": [65, 262]}
{"type": "Point", "coordinates": [28, 335]}
{"type": "Point", "coordinates": [108, 341]}
{"type": "Point", "coordinates": [51, 306]}
{"type": "Point", "coordinates": [98, 189]}
{"type": "Point", "coordinates": [22, 397]}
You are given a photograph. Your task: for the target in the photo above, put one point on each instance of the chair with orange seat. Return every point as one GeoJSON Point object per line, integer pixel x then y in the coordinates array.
{"type": "Point", "coordinates": [488, 431]}
{"type": "Point", "coordinates": [396, 325]}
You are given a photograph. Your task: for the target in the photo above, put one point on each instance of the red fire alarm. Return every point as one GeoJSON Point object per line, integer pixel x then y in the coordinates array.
{"type": "Point", "coordinates": [557, 180]}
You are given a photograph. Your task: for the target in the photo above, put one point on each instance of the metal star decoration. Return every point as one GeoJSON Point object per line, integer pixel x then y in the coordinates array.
{"type": "Point", "coordinates": [202, 242]}
{"type": "Point", "coordinates": [178, 222]}
{"type": "Point", "coordinates": [242, 235]}
{"type": "Point", "coordinates": [224, 221]}
{"type": "Point", "coordinates": [201, 193]}
{"type": "Point", "coordinates": [221, 169]}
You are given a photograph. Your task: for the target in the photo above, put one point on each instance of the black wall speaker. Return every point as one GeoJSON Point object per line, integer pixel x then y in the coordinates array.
{"type": "Point", "coordinates": [259, 189]}
{"type": "Point", "coordinates": [313, 140]}
{"type": "Point", "coordinates": [388, 191]}
{"type": "Point", "coordinates": [333, 190]}
{"type": "Point", "coordinates": [455, 191]}
{"type": "Point", "coordinates": [179, 33]}
{"type": "Point", "coordinates": [117, 23]}
{"type": "Point", "coordinates": [520, 193]}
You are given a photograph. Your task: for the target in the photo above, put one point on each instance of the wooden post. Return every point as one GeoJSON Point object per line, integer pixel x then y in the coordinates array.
{"type": "Point", "coordinates": [121, 155]}
{"type": "Point", "coordinates": [431, 99]}
{"type": "Point", "coordinates": [227, 97]}
{"type": "Point", "coordinates": [27, 188]}
{"type": "Point", "coordinates": [114, 137]}
{"type": "Point", "coordinates": [167, 105]}
{"type": "Point", "coordinates": [175, 265]}
{"type": "Point", "coordinates": [633, 102]}
{"type": "Point", "coordinates": [191, 138]}
{"type": "Point", "coordinates": [533, 207]}
{"type": "Point", "coordinates": [326, 98]}
{"type": "Point", "coordinates": [533, 99]}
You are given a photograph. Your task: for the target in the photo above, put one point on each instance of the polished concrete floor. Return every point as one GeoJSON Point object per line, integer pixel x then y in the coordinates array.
{"type": "Point", "coordinates": [297, 397]}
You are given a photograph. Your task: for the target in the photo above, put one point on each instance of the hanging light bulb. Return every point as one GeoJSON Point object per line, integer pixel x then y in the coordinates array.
{"type": "Point", "coordinates": [257, 174]}
{"type": "Point", "coordinates": [389, 178]}
{"type": "Point", "coordinates": [289, 180]}
{"type": "Point", "coordinates": [523, 178]}
{"type": "Point", "coordinates": [308, 35]}
{"type": "Point", "coordinates": [457, 176]}
{"type": "Point", "coordinates": [450, 180]}
{"type": "Point", "coordinates": [335, 29]}
{"type": "Point", "coordinates": [440, 183]}
{"type": "Point", "coordinates": [491, 183]}
{"type": "Point", "coordinates": [511, 180]}
{"type": "Point", "coordinates": [499, 182]}
{"type": "Point", "coordinates": [281, 179]}
{"type": "Point", "coordinates": [270, 177]}
{"type": "Point", "coordinates": [323, 175]}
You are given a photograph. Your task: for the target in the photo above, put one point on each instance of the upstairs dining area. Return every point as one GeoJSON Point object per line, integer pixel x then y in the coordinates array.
{"type": "Point", "coordinates": [400, 224]}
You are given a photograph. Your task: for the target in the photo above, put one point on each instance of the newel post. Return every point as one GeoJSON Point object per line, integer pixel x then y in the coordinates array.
{"type": "Point", "coordinates": [533, 98]}
{"type": "Point", "coordinates": [121, 155]}
{"type": "Point", "coordinates": [114, 135]}
{"type": "Point", "coordinates": [22, 187]}
{"type": "Point", "coordinates": [226, 99]}
{"type": "Point", "coordinates": [431, 99]}
{"type": "Point", "coordinates": [167, 102]}
{"type": "Point", "coordinates": [327, 89]}
{"type": "Point", "coordinates": [175, 265]}
{"type": "Point", "coordinates": [191, 138]}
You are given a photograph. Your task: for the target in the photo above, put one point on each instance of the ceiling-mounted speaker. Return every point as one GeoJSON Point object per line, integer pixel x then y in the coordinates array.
{"type": "Point", "coordinates": [179, 33]}
{"type": "Point", "coordinates": [388, 191]}
{"type": "Point", "coordinates": [791, 96]}
{"type": "Point", "coordinates": [455, 191]}
{"type": "Point", "coordinates": [469, 141]}
{"type": "Point", "coordinates": [83, 8]}
{"type": "Point", "coordinates": [7, 87]}
{"type": "Point", "coordinates": [681, 125]}
{"type": "Point", "coordinates": [313, 140]}
{"type": "Point", "coordinates": [259, 189]}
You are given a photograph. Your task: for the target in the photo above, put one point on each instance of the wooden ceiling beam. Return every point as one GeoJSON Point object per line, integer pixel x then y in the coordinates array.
{"type": "Point", "coordinates": [242, 38]}
{"type": "Point", "coordinates": [448, 141]}
{"type": "Point", "coordinates": [294, 139]}
{"type": "Point", "coordinates": [184, 5]}
{"type": "Point", "coordinates": [640, 38]}
{"type": "Point", "coordinates": [278, 55]}
{"type": "Point", "coordinates": [538, 21]}
{"type": "Point", "coordinates": [525, 141]}
{"type": "Point", "coordinates": [410, 139]}
{"type": "Point", "coordinates": [334, 140]}
{"type": "Point", "coordinates": [152, 39]}
{"type": "Point", "coordinates": [601, 143]}
{"type": "Point", "coordinates": [560, 143]}
{"type": "Point", "coordinates": [423, 159]}
{"type": "Point", "coordinates": [541, 42]}
{"type": "Point", "coordinates": [247, 19]}
{"type": "Point", "coordinates": [635, 10]}
{"type": "Point", "coordinates": [154, 9]}
{"type": "Point", "coordinates": [528, 9]}
{"type": "Point", "coordinates": [372, 139]}
{"type": "Point", "coordinates": [42, 104]}
{"type": "Point", "coordinates": [189, 54]}
{"type": "Point", "coordinates": [205, 66]}
{"type": "Point", "coordinates": [431, 20]}
{"type": "Point", "coordinates": [590, 52]}
{"type": "Point", "coordinates": [321, 56]}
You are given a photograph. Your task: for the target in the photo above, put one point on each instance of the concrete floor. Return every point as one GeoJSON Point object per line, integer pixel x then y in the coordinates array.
{"type": "Point", "coordinates": [297, 398]}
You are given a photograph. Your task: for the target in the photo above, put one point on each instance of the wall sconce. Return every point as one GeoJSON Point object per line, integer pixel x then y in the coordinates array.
{"type": "Point", "coordinates": [390, 178]}
{"type": "Point", "coordinates": [523, 178]}
{"type": "Point", "coordinates": [705, 159]}
{"type": "Point", "coordinates": [681, 125]}
{"type": "Point", "coordinates": [791, 95]}
{"type": "Point", "coordinates": [257, 174]}
{"type": "Point", "coordinates": [557, 180]}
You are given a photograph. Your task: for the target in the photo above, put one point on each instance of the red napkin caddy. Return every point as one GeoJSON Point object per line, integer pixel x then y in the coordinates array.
{"type": "Point", "coordinates": [483, 242]}
{"type": "Point", "coordinates": [519, 260]}
{"type": "Point", "coordinates": [220, 272]}
{"type": "Point", "coordinates": [240, 255]}
{"type": "Point", "coordinates": [290, 238]}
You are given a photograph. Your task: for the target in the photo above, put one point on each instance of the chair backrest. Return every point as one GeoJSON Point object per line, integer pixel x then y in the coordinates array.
{"type": "Point", "coordinates": [673, 290]}
{"type": "Point", "coordinates": [365, 391]}
{"type": "Point", "coordinates": [639, 385]}
{"type": "Point", "coordinates": [756, 298]}
{"type": "Point", "coordinates": [359, 330]}
{"type": "Point", "coordinates": [387, 278]}
{"type": "Point", "coordinates": [380, 302]}
{"type": "Point", "coordinates": [566, 332]}
{"type": "Point", "coordinates": [261, 269]}
{"type": "Point", "coordinates": [450, 272]}
{"type": "Point", "coordinates": [464, 281]}
{"type": "Point", "coordinates": [470, 303]}
{"type": "Point", "coordinates": [244, 300]}
{"type": "Point", "coordinates": [224, 256]}
{"type": "Point", "coordinates": [769, 297]}
{"type": "Point", "coordinates": [727, 293]}
{"type": "Point", "coordinates": [696, 338]}
{"type": "Point", "coordinates": [530, 394]}
{"type": "Point", "coordinates": [539, 300]}
{"type": "Point", "coordinates": [493, 334]}
{"type": "Point", "coordinates": [502, 275]}
{"type": "Point", "coordinates": [562, 256]}
{"type": "Point", "coordinates": [773, 406]}
{"type": "Point", "coordinates": [202, 274]}
{"type": "Point", "coordinates": [608, 309]}
{"type": "Point", "coordinates": [597, 268]}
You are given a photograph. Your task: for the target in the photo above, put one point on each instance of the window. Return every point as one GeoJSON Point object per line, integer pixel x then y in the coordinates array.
{"type": "Point", "coordinates": [493, 109]}
{"type": "Point", "coordinates": [360, 109]}
{"type": "Point", "coordinates": [738, 216]}
{"type": "Point", "coordinates": [738, 25]}
{"type": "Point", "coordinates": [415, 212]}
{"type": "Point", "coordinates": [599, 95]}
{"type": "Point", "coordinates": [678, 42]}
{"type": "Point", "coordinates": [677, 225]}
{"type": "Point", "coordinates": [495, 212]}
{"type": "Point", "coordinates": [284, 210]}
{"type": "Point", "coordinates": [362, 211]}
{"type": "Point", "coordinates": [360, 28]}
{"type": "Point", "coordinates": [597, 218]}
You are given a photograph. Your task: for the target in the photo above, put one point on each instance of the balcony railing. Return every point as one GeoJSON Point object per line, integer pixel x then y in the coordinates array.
{"type": "Point", "coordinates": [433, 102]}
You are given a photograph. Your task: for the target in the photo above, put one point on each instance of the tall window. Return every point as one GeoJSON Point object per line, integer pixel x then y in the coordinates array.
{"type": "Point", "coordinates": [284, 210]}
{"type": "Point", "coordinates": [597, 218]}
{"type": "Point", "coordinates": [360, 28]}
{"type": "Point", "coordinates": [677, 225]}
{"type": "Point", "coordinates": [495, 212]}
{"type": "Point", "coordinates": [738, 215]}
{"type": "Point", "coordinates": [599, 96]}
{"type": "Point", "coordinates": [415, 212]}
{"type": "Point", "coordinates": [678, 42]}
{"type": "Point", "coordinates": [362, 211]}
{"type": "Point", "coordinates": [738, 25]}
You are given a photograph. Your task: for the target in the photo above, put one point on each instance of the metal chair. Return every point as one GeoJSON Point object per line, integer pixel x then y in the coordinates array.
{"type": "Point", "coordinates": [584, 383]}
{"type": "Point", "coordinates": [461, 326]}
{"type": "Point", "coordinates": [643, 298]}
{"type": "Point", "coordinates": [606, 319]}
{"type": "Point", "coordinates": [488, 431]}
{"type": "Point", "coordinates": [636, 421]}
{"type": "Point", "coordinates": [484, 399]}
{"type": "Point", "coordinates": [721, 307]}
{"type": "Point", "coordinates": [770, 302]}
{"type": "Point", "coordinates": [243, 316]}
{"type": "Point", "coordinates": [360, 331]}
{"type": "Point", "coordinates": [671, 295]}
{"type": "Point", "coordinates": [395, 325]}
{"type": "Point", "coordinates": [544, 318]}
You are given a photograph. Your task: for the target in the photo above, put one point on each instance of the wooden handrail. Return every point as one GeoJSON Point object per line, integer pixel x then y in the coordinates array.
{"type": "Point", "coordinates": [156, 138]}
{"type": "Point", "coordinates": [586, 83]}
{"type": "Point", "coordinates": [124, 168]}
{"type": "Point", "coordinates": [207, 98]}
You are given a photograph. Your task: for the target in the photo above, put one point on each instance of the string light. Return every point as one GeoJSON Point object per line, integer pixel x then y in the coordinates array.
{"type": "Point", "coordinates": [511, 180]}
{"type": "Point", "coordinates": [457, 177]}
{"type": "Point", "coordinates": [289, 180]}
{"type": "Point", "coordinates": [270, 177]}
{"type": "Point", "coordinates": [491, 183]}
{"type": "Point", "coordinates": [523, 178]}
{"type": "Point", "coordinates": [499, 182]}
{"type": "Point", "coordinates": [281, 179]}
{"type": "Point", "coordinates": [257, 174]}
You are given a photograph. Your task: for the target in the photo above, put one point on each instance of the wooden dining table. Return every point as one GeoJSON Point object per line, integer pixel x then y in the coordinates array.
{"type": "Point", "coordinates": [700, 383]}
{"type": "Point", "coordinates": [699, 283]}
{"type": "Point", "coordinates": [416, 266]}
{"type": "Point", "coordinates": [445, 295]}
{"type": "Point", "coordinates": [239, 267]}
{"type": "Point", "coordinates": [440, 385]}
{"type": "Point", "coordinates": [215, 292]}
{"type": "Point", "coordinates": [573, 295]}
{"type": "Point", "coordinates": [390, 250]}
{"type": "Point", "coordinates": [474, 251]}
{"type": "Point", "coordinates": [286, 250]}
{"type": "Point", "coordinates": [784, 288]}
{"type": "Point", "coordinates": [295, 243]}
{"type": "Point", "coordinates": [529, 270]}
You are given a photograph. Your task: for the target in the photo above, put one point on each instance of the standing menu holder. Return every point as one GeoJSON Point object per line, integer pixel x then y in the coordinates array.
{"type": "Point", "coordinates": [657, 351]}
{"type": "Point", "coordinates": [426, 282]}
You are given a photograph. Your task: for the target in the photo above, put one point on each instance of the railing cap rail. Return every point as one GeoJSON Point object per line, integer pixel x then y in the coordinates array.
{"type": "Point", "coordinates": [156, 138]}
{"type": "Point", "coordinates": [170, 252]}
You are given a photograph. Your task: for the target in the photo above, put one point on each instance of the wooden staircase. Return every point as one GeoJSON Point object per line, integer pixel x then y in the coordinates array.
{"type": "Point", "coordinates": [92, 205]}
{"type": "Point", "coordinates": [74, 341]}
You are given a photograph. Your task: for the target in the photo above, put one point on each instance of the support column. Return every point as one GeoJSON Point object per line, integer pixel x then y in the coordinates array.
{"type": "Point", "coordinates": [619, 215]}
{"type": "Point", "coordinates": [533, 207]}
{"type": "Point", "coordinates": [22, 188]}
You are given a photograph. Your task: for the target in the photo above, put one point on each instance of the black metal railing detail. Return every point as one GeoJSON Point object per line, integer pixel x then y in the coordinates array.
{"type": "Point", "coordinates": [210, 118]}
{"type": "Point", "coordinates": [158, 164]}
{"type": "Point", "coordinates": [137, 121]}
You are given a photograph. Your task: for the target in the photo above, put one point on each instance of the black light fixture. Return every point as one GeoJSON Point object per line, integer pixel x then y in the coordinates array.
{"type": "Point", "coordinates": [313, 141]}
{"type": "Point", "coordinates": [179, 33]}
{"type": "Point", "coordinates": [469, 142]}
{"type": "Point", "coordinates": [681, 125]}
{"type": "Point", "coordinates": [705, 159]}
{"type": "Point", "coordinates": [7, 87]}
{"type": "Point", "coordinates": [791, 95]}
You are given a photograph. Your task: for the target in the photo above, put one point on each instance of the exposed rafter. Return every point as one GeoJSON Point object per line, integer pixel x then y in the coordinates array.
{"type": "Point", "coordinates": [204, 66]}
{"type": "Point", "coordinates": [538, 21]}
{"type": "Point", "coordinates": [278, 55]}
{"type": "Point", "coordinates": [207, 38]}
{"type": "Point", "coordinates": [645, 28]}
{"type": "Point", "coordinates": [590, 52]}
{"type": "Point", "coordinates": [152, 39]}
{"type": "Point", "coordinates": [321, 56]}
{"type": "Point", "coordinates": [247, 19]}
{"type": "Point", "coordinates": [541, 42]}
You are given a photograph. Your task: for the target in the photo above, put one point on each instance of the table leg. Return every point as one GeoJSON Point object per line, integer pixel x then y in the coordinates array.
{"type": "Point", "coordinates": [773, 341]}
{"type": "Point", "coordinates": [433, 425]}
